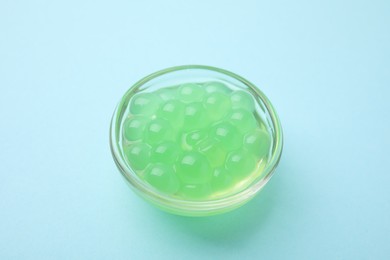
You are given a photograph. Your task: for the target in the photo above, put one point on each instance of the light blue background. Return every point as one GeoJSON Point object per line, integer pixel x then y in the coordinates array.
{"type": "Point", "coordinates": [64, 65]}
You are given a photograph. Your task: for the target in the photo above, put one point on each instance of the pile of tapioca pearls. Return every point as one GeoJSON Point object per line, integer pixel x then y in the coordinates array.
{"type": "Point", "coordinates": [194, 141]}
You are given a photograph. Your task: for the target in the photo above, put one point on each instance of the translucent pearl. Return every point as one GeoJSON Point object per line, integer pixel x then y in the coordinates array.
{"type": "Point", "coordinates": [240, 163]}
{"type": "Point", "coordinates": [165, 152]}
{"type": "Point", "coordinates": [162, 177]}
{"type": "Point", "coordinates": [172, 111]}
{"type": "Point", "coordinates": [258, 142]}
{"type": "Point", "coordinates": [158, 130]}
{"type": "Point", "coordinates": [217, 105]}
{"type": "Point", "coordinates": [195, 116]}
{"type": "Point", "coordinates": [227, 135]}
{"type": "Point", "coordinates": [193, 168]}
{"type": "Point", "coordinates": [221, 179]}
{"type": "Point", "coordinates": [242, 119]}
{"type": "Point", "coordinates": [133, 128]}
{"type": "Point", "coordinates": [191, 92]}
{"type": "Point", "coordinates": [167, 93]}
{"type": "Point", "coordinates": [214, 152]}
{"type": "Point", "coordinates": [242, 99]}
{"type": "Point", "coordinates": [195, 137]}
{"type": "Point", "coordinates": [138, 154]}
{"type": "Point", "coordinates": [215, 86]}
{"type": "Point", "coordinates": [195, 191]}
{"type": "Point", "coordinates": [145, 104]}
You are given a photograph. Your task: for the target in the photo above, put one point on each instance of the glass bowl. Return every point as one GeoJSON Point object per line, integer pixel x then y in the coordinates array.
{"type": "Point", "coordinates": [177, 76]}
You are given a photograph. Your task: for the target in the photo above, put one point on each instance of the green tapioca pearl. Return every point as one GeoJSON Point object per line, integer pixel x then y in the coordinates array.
{"type": "Point", "coordinates": [194, 137]}
{"type": "Point", "coordinates": [162, 177]}
{"type": "Point", "coordinates": [172, 111]}
{"type": "Point", "coordinates": [242, 99]}
{"type": "Point", "coordinates": [158, 130]}
{"type": "Point", "coordinates": [191, 92]}
{"type": "Point", "coordinates": [144, 104]}
{"type": "Point", "coordinates": [195, 191]}
{"type": "Point", "coordinates": [138, 155]}
{"type": "Point", "coordinates": [195, 116]}
{"type": "Point", "coordinates": [243, 119]}
{"type": "Point", "coordinates": [215, 86]}
{"type": "Point", "coordinates": [167, 93]}
{"type": "Point", "coordinates": [240, 163]}
{"type": "Point", "coordinates": [165, 152]}
{"type": "Point", "coordinates": [217, 104]}
{"type": "Point", "coordinates": [221, 180]}
{"type": "Point", "coordinates": [193, 168]}
{"type": "Point", "coordinates": [133, 128]}
{"type": "Point", "coordinates": [227, 134]}
{"type": "Point", "coordinates": [258, 142]}
{"type": "Point", "coordinates": [213, 150]}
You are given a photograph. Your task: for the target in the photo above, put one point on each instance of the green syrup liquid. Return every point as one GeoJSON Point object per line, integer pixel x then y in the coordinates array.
{"type": "Point", "coordinates": [195, 141]}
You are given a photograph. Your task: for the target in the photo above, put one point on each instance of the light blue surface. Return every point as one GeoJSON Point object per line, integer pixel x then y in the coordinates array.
{"type": "Point", "coordinates": [325, 65]}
